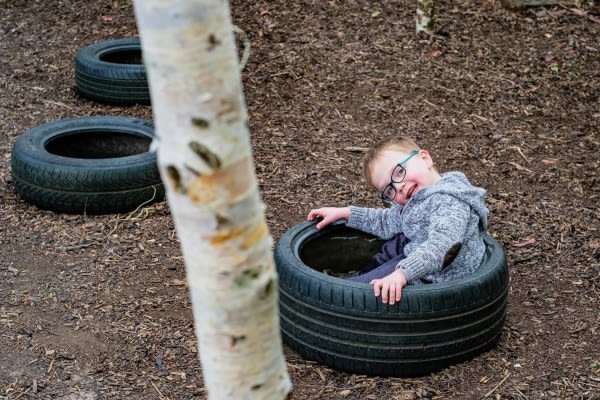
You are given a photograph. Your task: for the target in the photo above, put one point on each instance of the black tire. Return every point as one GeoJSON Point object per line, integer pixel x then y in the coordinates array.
{"type": "Point", "coordinates": [112, 72]}
{"type": "Point", "coordinates": [94, 165]}
{"type": "Point", "coordinates": [343, 325]}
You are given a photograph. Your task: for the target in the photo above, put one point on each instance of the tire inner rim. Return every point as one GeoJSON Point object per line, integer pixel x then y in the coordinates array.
{"type": "Point", "coordinates": [123, 57]}
{"type": "Point", "coordinates": [97, 145]}
{"type": "Point", "coordinates": [339, 251]}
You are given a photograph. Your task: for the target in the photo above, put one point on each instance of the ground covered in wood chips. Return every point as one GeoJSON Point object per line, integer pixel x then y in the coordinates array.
{"type": "Point", "coordinates": [96, 307]}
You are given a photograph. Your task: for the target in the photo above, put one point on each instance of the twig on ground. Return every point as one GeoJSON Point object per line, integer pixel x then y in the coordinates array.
{"type": "Point", "coordinates": [430, 103]}
{"type": "Point", "coordinates": [520, 167]}
{"type": "Point", "coordinates": [497, 386]}
{"type": "Point", "coordinates": [356, 149]}
{"type": "Point", "coordinates": [522, 394]}
{"type": "Point", "coordinates": [518, 149]}
{"type": "Point", "coordinates": [73, 247]}
{"type": "Point", "coordinates": [57, 103]}
{"type": "Point", "coordinates": [581, 13]}
{"type": "Point", "coordinates": [157, 391]}
{"type": "Point", "coordinates": [130, 215]}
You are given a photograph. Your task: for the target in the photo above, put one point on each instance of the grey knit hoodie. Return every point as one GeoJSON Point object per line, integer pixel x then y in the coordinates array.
{"type": "Point", "coordinates": [435, 220]}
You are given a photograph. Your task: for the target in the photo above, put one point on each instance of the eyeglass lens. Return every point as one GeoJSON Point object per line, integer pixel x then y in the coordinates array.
{"type": "Point", "coordinates": [398, 174]}
{"type": "Point", "coordinates": [389, 193]}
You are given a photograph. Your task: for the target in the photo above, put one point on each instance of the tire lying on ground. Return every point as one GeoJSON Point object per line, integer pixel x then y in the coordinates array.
{"type": "Point", "coordinates": [94, 165]}
{"type": "Point", "coordinates": [112, 72]}
{"type": "Point", "coordinates": [343, 325]}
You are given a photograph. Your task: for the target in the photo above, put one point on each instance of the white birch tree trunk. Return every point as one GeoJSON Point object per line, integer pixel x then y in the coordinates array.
{"type": "Point", "coordinates": [206, 165]}
{"type": "Point", "coordinates": [425, 15]}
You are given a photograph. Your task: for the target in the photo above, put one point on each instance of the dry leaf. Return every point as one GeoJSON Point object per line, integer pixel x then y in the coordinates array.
{"type": "Point", "coordinates": [594, 243]}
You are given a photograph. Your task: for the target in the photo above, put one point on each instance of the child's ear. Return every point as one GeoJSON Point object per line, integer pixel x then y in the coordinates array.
{"type": "Point", "coordinates": [425, 156]}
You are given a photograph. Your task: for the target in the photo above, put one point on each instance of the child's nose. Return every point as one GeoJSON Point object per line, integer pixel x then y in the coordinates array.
{"type": "Point", "coordinates": [400, 187]}
{"type": "Point", "coordinates": [399, 191]}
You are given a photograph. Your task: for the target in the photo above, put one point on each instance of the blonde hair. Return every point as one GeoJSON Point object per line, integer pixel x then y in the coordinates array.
{"type": "Point", "coordinates": [399, 143]}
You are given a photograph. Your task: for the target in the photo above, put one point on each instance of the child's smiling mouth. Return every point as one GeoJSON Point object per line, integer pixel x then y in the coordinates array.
{"type": "Point", "coordinates": [411, 191]}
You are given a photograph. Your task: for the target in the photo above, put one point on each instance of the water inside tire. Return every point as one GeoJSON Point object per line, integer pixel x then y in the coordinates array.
{"type": "Point", "coordinates": [339, 251]}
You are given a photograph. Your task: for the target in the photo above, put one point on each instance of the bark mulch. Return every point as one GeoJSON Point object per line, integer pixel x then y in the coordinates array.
{"type": "Point", "coordinates": [96, 307]}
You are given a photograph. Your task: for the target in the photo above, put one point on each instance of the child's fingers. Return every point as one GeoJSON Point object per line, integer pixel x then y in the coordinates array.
{"type": "Point", "coordinates": [385, 290]}
{"type": "Point", "coordinates": [326, 220]}
{"type": "Point", "coordinates": [376, 287]}
{"type": "Point", "coordinates": [324, 223]}
{"type": "Point", "coordinates": [315, 214]}
{"type": "Point", "coordinates": [392, 293]}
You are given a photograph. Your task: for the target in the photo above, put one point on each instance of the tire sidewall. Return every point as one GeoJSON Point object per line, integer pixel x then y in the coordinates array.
{"type": "Point", "coordinates": [89, 58]}
{"type": "Point", "coordinates": [30, 149]}
{"type": "Point", "coordinates": [484, 280]}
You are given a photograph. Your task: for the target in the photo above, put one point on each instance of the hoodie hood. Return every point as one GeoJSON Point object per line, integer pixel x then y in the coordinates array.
{"type": "Point", "coordinates": [456, 184]}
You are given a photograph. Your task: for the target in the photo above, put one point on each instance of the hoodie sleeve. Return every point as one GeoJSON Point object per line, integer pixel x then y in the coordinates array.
{"type": "Point", "coordinates": [382, 222]}
{"type": "Point", "coordinates": [449, 220]}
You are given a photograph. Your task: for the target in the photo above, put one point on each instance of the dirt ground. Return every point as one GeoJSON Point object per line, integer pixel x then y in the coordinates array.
{"type": "Point", "coordinates": [96, 307]}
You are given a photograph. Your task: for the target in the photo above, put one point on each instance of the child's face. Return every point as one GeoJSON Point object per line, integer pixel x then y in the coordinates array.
{"type": "Point", "coordinates": [419, 173]}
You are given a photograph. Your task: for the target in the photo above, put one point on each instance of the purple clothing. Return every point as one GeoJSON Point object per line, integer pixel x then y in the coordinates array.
{"type": "Point", "coordinates": [383, 263]}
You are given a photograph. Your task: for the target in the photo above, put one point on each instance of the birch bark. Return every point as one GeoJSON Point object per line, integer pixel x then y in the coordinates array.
{"type": "Point", "coordinates": [425, 15]}
{"type": "Point", "coordinates": [206, 165]}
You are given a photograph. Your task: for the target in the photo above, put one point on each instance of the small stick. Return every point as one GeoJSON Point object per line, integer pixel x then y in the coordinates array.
{"type": "Point", "coordinates": [518, 149]}
{"type": "Point", "coordinates": [158, 391]}
{"type": "Point", "coordinates": [338, 113]}
{"type": "Point", "coordinates": [522, 394]}
{"type": "Point", "coordinates": [519, 167]}
{"type": "Point", "coordinates": [497, 386]}
{"type": "Point", "coordinates": [553, 139]}
{"type": "Point", "coordinates": [50, 366]}
{"type": "Point", "coordinates": [430, 103]}
{"type": "Point", "coordinates": [73, 247]}
{"type": "Point", "coordinates": [356, 149]}
{"type": "Point", "coordinates": [57, 103]}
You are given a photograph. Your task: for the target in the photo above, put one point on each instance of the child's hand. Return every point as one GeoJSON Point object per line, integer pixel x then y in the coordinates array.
{"type": "Point", "coordinates": [390, 287]}
{"type": "Point", "coordinates": [329, 215]}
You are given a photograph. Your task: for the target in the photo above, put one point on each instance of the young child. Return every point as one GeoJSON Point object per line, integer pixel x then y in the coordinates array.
{"type": "Point", "coordinates": [434, 226]}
